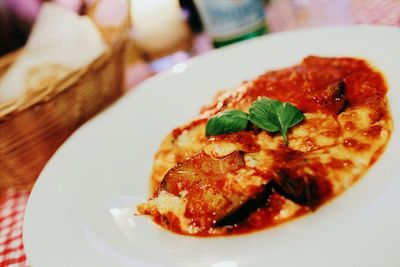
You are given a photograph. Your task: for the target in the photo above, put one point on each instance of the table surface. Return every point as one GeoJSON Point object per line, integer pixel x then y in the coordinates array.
{"type": "Point", "coordinates": [281, 15]}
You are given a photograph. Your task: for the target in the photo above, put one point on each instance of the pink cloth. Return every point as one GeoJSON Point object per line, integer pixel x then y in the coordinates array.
{"type": "Point", "coordinates": [380, 12]}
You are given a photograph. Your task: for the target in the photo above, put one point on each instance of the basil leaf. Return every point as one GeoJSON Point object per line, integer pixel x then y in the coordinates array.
{"type": "Point", "coordinates": [273, 115]}
{"type": "Point", "coordinates": [229, 121]}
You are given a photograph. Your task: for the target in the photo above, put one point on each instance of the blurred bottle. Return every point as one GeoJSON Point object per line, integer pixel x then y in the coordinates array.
{"type": "Point", "coordinates": [230, 21]}
{"type": "Point", "coordinates": [192, 14]}
{"type": "Point", "coordinates": [159, 28]}
{"type": "Point", "coordinates": [160, 31]}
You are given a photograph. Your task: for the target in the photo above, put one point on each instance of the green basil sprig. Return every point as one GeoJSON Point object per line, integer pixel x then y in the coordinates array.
{"type": "Point", "coordinates": [229, 121]}
{"type": "Point", "coordinates": [268, 114]}
{"type": "Point", "coordinates": [273, 115]}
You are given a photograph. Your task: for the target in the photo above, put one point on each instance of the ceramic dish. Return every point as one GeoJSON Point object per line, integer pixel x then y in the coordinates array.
{"type": "Point", "coordinates": [80, 212]}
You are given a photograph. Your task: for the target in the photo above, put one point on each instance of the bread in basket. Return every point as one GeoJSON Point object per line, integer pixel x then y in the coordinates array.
{"type": "Point", "coordinates": [34, 125]}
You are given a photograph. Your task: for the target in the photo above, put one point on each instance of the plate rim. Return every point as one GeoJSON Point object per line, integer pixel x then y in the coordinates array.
{"type": "Point", "coordinates": [190, 64]}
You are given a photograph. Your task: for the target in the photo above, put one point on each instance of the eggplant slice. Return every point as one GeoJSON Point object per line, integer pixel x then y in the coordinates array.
{"type": "Point", "coordinates": [247, 208]}
{"type": "Point", "coordinates": [300, 178]}
{"type": "Point", "coordinates": [334, 98]}
{"type": "Point", "coordinates": [221, 192]}
{"type": "Point", "coordinates": [215, 188]}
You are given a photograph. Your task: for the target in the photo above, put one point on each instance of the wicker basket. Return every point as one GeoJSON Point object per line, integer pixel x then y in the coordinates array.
{"type": "Point", "coordinates": [33, 126]}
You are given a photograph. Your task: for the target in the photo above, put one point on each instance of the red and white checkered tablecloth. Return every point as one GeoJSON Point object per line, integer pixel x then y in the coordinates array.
{"type": "Point", "coordinates": [12, 207]}
{"type": "Point", "coordinates": [12, 203]}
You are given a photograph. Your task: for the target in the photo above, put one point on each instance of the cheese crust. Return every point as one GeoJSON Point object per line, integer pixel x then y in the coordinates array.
{"type": "Point", "coordinates": [250, 180]}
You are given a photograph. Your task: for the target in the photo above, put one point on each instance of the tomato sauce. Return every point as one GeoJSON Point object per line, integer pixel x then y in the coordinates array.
{"type": "Point", "coordinates": [316, 85]}
{"type": "Point", "coordinates": [308, 85]}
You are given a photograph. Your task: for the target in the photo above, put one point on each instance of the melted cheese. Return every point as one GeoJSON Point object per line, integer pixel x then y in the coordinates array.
{"type": "Point", "coordinates": [342, 147]}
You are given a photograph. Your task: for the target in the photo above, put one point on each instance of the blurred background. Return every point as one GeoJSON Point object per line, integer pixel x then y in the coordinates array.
{"type": "Point", "coordinates": [184, 28]}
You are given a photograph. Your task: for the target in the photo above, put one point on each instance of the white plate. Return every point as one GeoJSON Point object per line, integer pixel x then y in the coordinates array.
{"type": "Point", "coordinates": [80, 210]}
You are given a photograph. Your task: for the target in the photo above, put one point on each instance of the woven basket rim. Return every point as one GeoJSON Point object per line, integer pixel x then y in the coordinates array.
{"type": "Point", "coordinates": [46, 93]}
